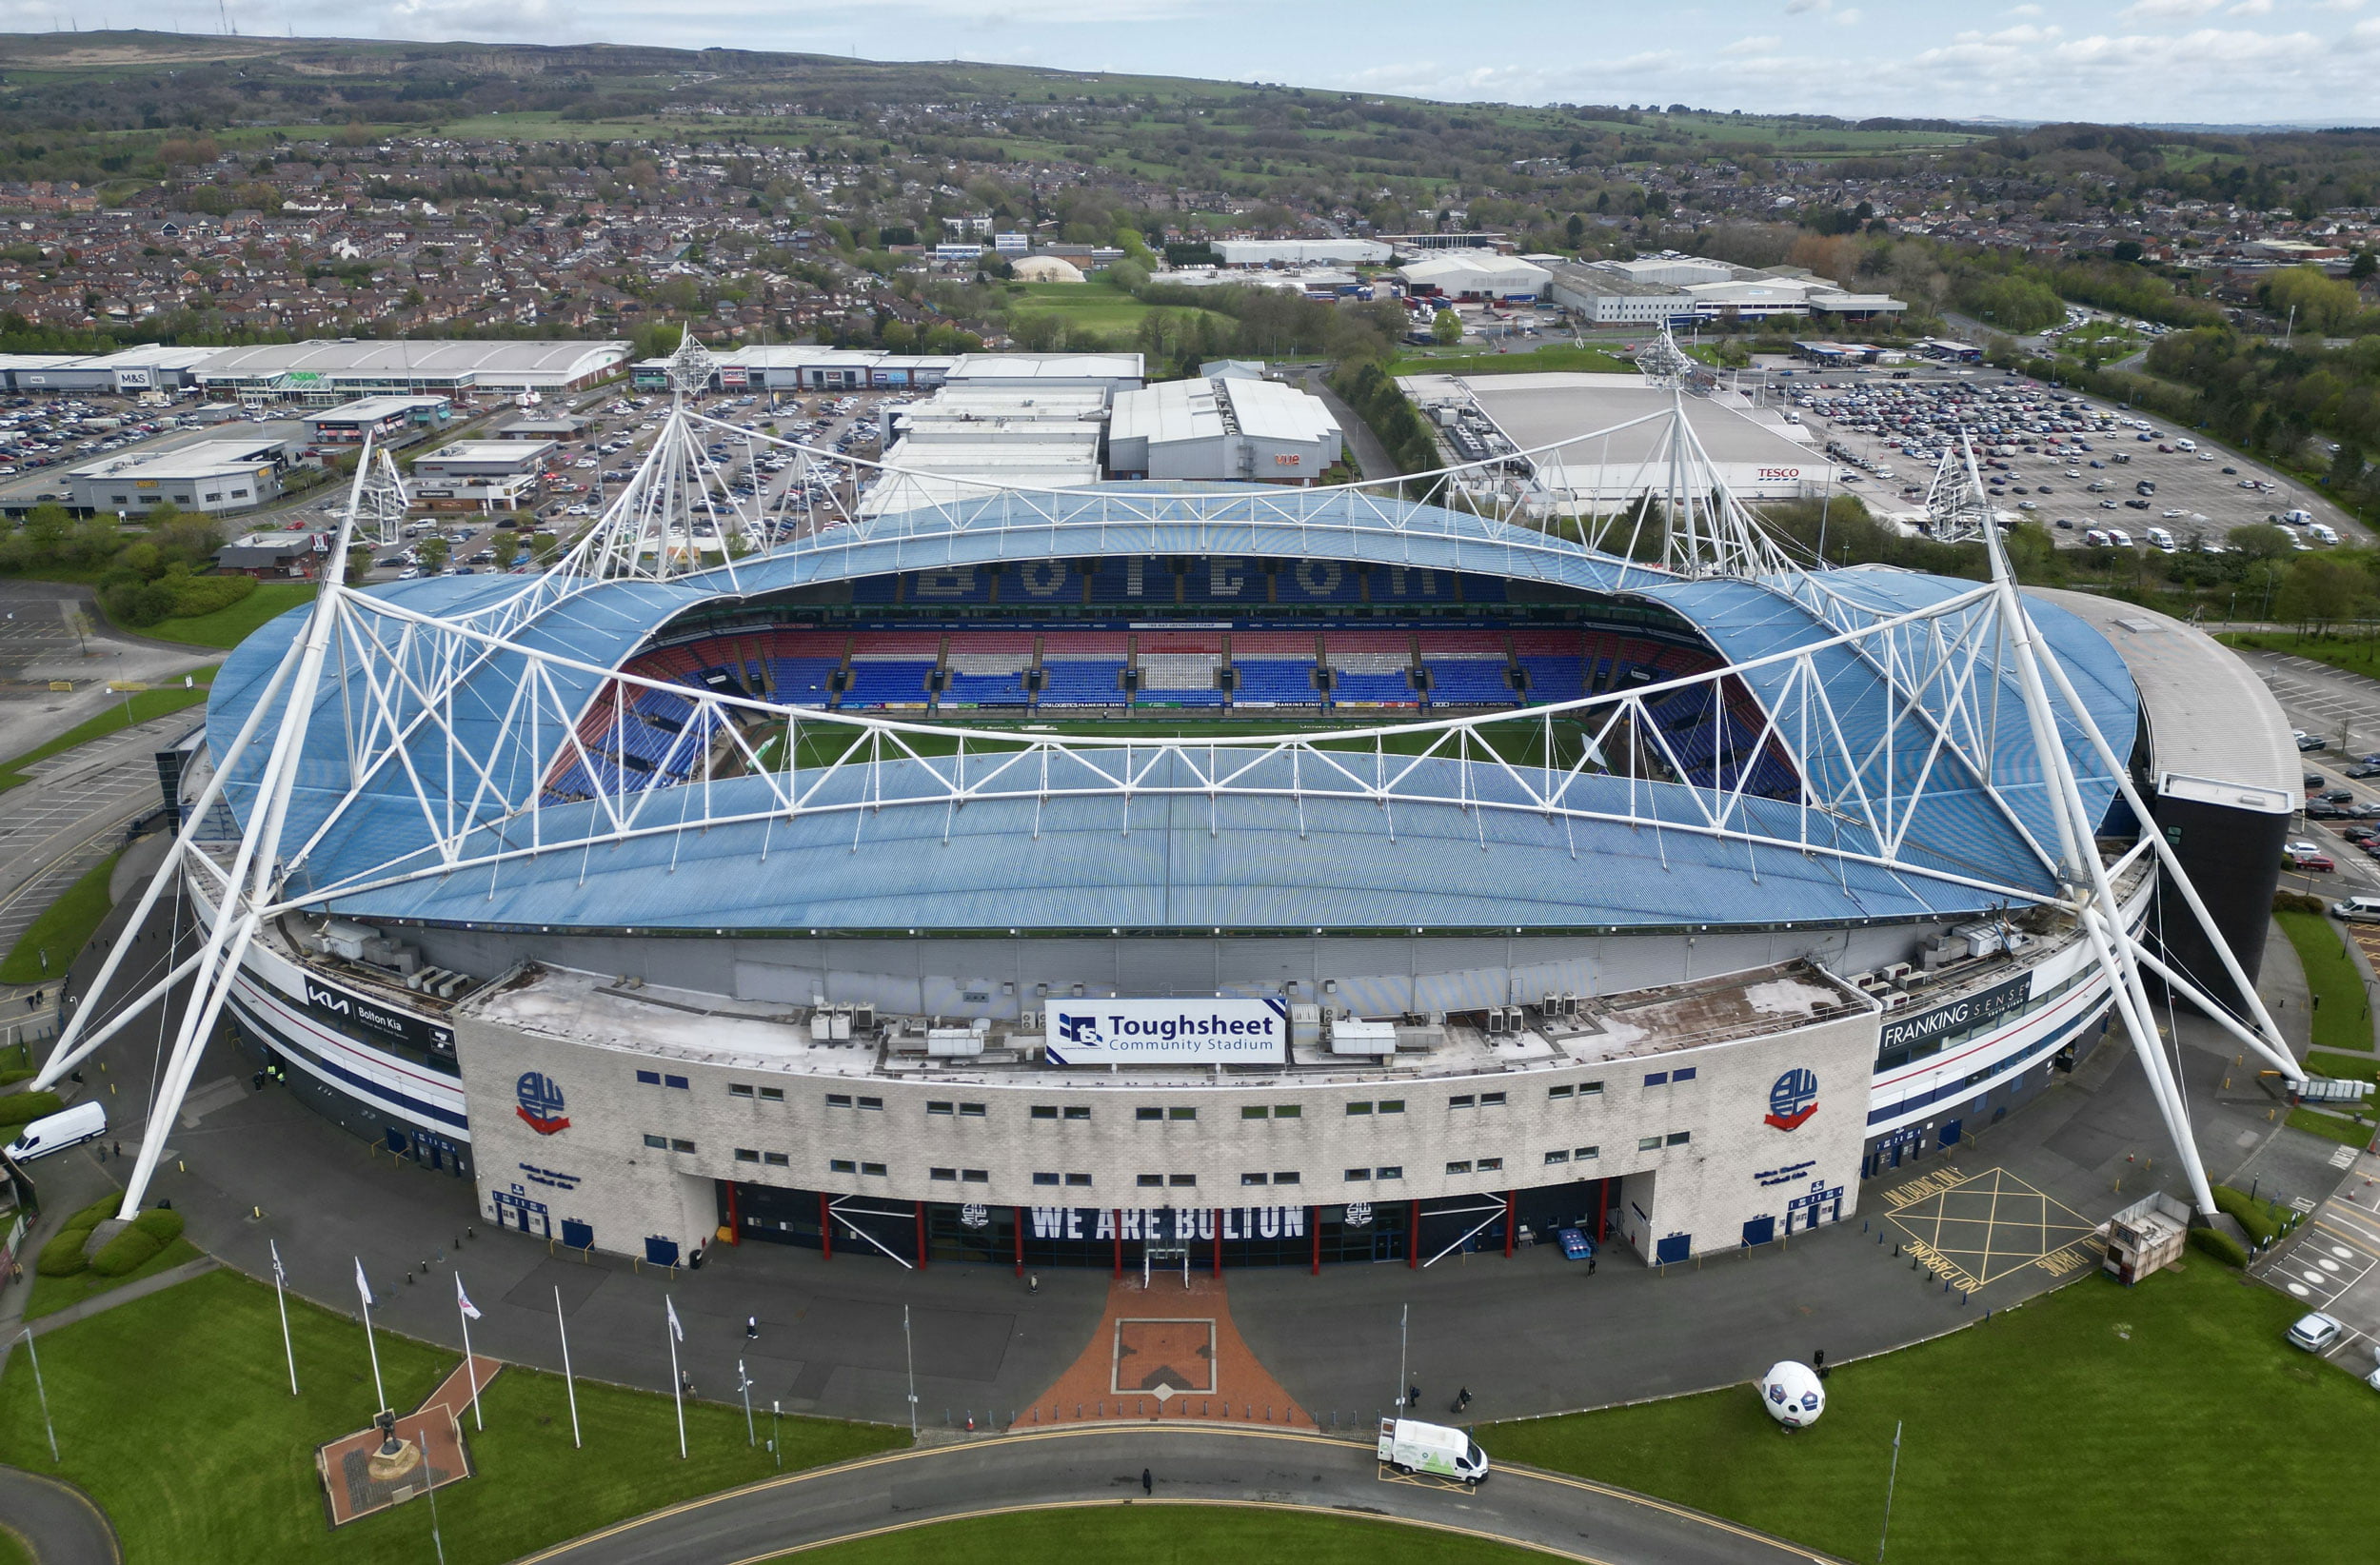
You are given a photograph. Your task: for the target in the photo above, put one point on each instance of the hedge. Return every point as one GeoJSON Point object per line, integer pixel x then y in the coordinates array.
{"type": "Point", "coordinates": [19, 1108]}
{"type": "Point", "coordinates": [2214, 1241]}
{"type": "Point", "coordinates": [162, 1223]}
{"type": "Point", "coordinates": [97, 1212]}
{"type": "Point", "coordinates": [133, 1248]}
{"type": "Point", "coordinates": [63, 1256]}
{"type": "Point", "coordinates": [2263, 1221]}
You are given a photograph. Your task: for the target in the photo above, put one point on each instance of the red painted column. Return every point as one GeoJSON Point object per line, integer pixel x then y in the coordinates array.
{"type": "Point", "coordinates": [1018, 1214]}
{"type": "Point", "coordinates": [1314, 1226]}
{"type": "Point", "coordinates": [1219, 1242]}
{"type": "Point", "coordinates": [735, 1224]}
{"type": "Point", "coordinates": [920, 1212]}
{"type": "Point", "coordinates": [1512, 1198]}
{"type": "Point", "coordinates": [1412, 1236]}
{"type": "Point", "coordinates": [1115, 1233]}
{"type": "Point", "coordinates": [826, 1228]}
{"type": "Point", "coordinates": [1603, 1199]}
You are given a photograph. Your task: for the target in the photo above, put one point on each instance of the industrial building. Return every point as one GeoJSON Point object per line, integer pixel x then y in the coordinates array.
{"type": "Point", "coordinates": [321, 373]}
{"type": "Point", "coordinates": [967, 443]}
{"type": "Point", "coordinates": [1301, 252]}
{"type": "Point", "coordinates": [482, 475]}
{"type": "Point", "coordinates": [1600, 297]}
{"type": "Point", "coordinates": [202, 475]}
{"type": "Point", "coordinates": [1468, 274]}
{"type": "Point", "coordinates": [352, 422]}
{"type": "Point", "coordinates": [1235, 426]}
{"type": "Point", "coordinates": [1674, 288]}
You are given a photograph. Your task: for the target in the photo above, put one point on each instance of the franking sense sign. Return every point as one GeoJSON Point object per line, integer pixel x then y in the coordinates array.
{"type": "Point", "coordinates": [1908, 1031]}
{"type": "Point", "coordinates": [1168, 1032]}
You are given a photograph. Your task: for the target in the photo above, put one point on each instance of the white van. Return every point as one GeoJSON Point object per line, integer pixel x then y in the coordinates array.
{"type": "Point", "coordinates": [2160, 540]}
{"type": "Point", "coordinates": [2121, 539]}
{"type": "Point", "coordinates": [2184, 445]}
{"type": "Point", "coordinates": [84, 1122]}
{"type": "Point", "coordinates": [1411, 1446]}
{"type": "Point", "coordinates": [2357, 909]}
{"type": "Point", "coordinates": [2322, 532]}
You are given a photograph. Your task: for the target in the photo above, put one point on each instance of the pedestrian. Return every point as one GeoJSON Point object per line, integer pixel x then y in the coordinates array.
{"type": "Point", "coordinates": [1413, 1395]}
{"type": "Point", "coordinates": [751, 1328]}
{"type": "Point", "coordinates": [1148, 1482]}
{"type": "Point", "coordinates": [686, 1382]}
{"type": "Point", "coordinates": [1462, 1399]}
{"type": "Point", "coordinates": [1590, 1263]}
{"type": "Point", "coordinates": [1817, 1361]}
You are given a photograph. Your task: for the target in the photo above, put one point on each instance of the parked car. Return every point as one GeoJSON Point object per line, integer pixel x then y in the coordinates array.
{"type": "Point", "coordinates": [2315, 1333]}
{"type": "Point", "coordinates": [2357, 909]}
{"type": "Point", "coordinates": [2308, 857]}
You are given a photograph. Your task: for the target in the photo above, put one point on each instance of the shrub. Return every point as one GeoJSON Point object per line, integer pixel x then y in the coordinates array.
{"type": "Point", "coordinates": [2298, 901]}
{"type": "Point", "coordinates": [97, 1212]}
{"type": "Point", "coordinates": [136, 1247]}
{"type": "Point", "coordinates": [2214, 1241]}
{"type": "Point", "coordinates": [63, 1256]}
{"type": "Point", "coordinates": [20, 1108]}
{"type": "Point", "coordinates": [162, 1223]}
{"type": "Point", "coordinates": [2260, 1217]}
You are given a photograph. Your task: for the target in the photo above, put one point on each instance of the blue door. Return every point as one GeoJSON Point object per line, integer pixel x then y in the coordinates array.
{"type": "Point", "coordinates": [661, 1252]}
{"type": "Point", "coordinates": [1759, 1230]}
{"type": "Point", "coordinates": [1949, 1132]}
{"type": "Point", "coordinates": [1675, 1247]}
{"type": "Point", "coordinates": [577, 1234]}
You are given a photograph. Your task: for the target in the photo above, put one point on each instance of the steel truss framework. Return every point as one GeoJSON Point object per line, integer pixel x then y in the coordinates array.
{"type": "Point", "coordinates": [1958, 509]}
{"type": "Point", "coordinates": [412, 726]}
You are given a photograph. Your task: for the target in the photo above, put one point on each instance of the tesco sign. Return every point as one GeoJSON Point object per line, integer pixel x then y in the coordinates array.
{"type": "Point", "coordinates": [1167, 1032]}
{"type": "Point", "coordinates": [1770, 475]}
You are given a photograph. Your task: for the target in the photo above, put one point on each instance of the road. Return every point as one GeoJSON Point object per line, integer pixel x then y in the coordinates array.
{"type": "Point", "coordinates": [1191, 1466]}
{"type": "Point", "coordinates": [2345, 709]}
{"type": "Point", "coordinates": [72, 813]}
{"type": "Point", "coordinates": [63, 1526]}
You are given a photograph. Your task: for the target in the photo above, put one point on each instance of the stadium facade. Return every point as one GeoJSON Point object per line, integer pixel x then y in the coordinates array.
{"type": "Point", "coordinates": [1211, 875]}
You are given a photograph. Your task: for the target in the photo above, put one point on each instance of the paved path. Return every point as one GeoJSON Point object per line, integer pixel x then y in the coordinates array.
{"type": "Point", "coordinates": [58, 1521]}
{"type": "Point", "coordinates": [1086, 1467]}
{"type": "Point", "coordinates": [1363, 447]}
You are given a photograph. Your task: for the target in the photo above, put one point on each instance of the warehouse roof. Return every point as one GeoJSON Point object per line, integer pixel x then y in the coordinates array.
{"type": "Point", "coordinates": [198, 459]}
{"type": "Point", "coordinates": [433, 357]}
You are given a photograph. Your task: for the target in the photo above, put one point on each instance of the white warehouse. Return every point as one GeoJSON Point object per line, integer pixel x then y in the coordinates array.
{"type": "Point", "coordinates": [1232, 426]}
{"type": "Point", "coordinates": [1476, 274]}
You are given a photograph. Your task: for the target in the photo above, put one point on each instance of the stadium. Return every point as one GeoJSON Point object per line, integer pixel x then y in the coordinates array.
{"type": "Point", "coordinates": [1218, 875]}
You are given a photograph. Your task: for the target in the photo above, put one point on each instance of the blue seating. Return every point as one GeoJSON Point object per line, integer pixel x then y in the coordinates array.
{"type": "Point", "coordinates": [1553, 679]}
{"type": "Point", "coordinates": [803, 682]}
{"type": "Point", "coordinates": [1317, 582]}
{"type": "Point", "coordinates": [879, 681]}
{"type": "Point", "coordinates": [1376, 688]}
{"type": "Point", "coordinates": [1276, 681]}
{"type": "Point", "coordinates": [1133, 579]}
{"type": "Point", "coordinates": [1082, 682]}
{"type": "Point", "coordinates": [985, 690]}
{"type": "Point", "coordinates": [957, 585]}
{"type": "Point", "coordinates": [1468, 682]}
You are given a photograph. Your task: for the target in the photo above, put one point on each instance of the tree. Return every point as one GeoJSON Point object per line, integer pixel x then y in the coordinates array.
{"type": "Point", "coordinates": [2260, 541]}
{"type": "Point", "coordinates": [2323, 588]}
{"type": "Point", "coordinates": [432, 551]}
{"type": "Point", "coordinates": [2363, 266]}
{"type": "Point", "coordinates": [2125, 252]}
{"type": "Point", "coordinates": [1446, 327]}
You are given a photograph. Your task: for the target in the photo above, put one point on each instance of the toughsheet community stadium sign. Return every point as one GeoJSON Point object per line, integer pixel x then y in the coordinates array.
{"type": "Point", "coordinates": [1168, 1032]}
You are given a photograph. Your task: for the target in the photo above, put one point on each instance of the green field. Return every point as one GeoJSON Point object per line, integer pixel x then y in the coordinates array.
{"type": "Point", "coordinates": [1552, 359]}
{"type": "Point", "coordinates": [1095, 307]}
{"type": "Point", "coordinates": [138, 707]}
{"type": "Point", "coordinates": [228, 627]}
{"type": "Point", "coordinates": [52, 1293]}
{"type": "Point", "coordinates": [1169, 1534]}
{"type": "Point", "coordinates": [2331, 1127]}
{"type": "Point", "coordinates": [174, 1412]}
{"type": "Point", "coordinates": [2099, 1423]}
{"type": "Point", "coordinates": [2357, 654]}
{"type": "Point", "coordinates": [2342, 1007]}
{"type": "Point", "coordinates": [61, 928]}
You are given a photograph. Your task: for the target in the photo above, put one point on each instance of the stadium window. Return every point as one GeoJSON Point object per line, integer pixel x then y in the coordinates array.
{"type": "Point", "coordinates": [660, 1143]}
{"type": "Point", "coordinates": [1589, 1089]}
{"type": "Point", "coordinates": [747, 1155]}
{"type": "Point", "coordinates": [776, 1159]}
{"type": "Point", "coordinates": [1287, 1110]}
{"type": "Point", "coordinates": [1392, 1105]}
{"type": "Point", "coordinates": [739, 1089]}
{"type": "Point", "coordinates": [1045, 1111]}
{"type": "Point", "coordinates": [1183, 1182]}
{"type": "Point", "coordinates": [1044, 1179]}
{"type": "Point", "coordinates": [1491, 1099]}
{"type": "Point", "coordinates": [648, 1079]}
{"type": "Point", "coordinates": [1461, 1099]}
{"type": "Point", "coordinates": [1280, 1177]}
{"type": "Point", "coordinates": [1181, 1114]}
{"type": "Point", "coordinates": [1355, 1176]}
{"type": "Point", "coordinates": [1587, 1154]}
{"type": "Point", "coordinates": [772, 1094]}
{"type": "Point", "coordinates": [1392, 1171]}
{"type": "Point", "coordinates": [940, 1108]}
{"type": "Point", "coordinates": [1082, 1180]}
{"type": "Point", "coordinates": [975, 1175]}
{"type": "Point", "coordinates": [1490, 1165]}
{"type": "Point", "coordinates": [1358, 1108]}
{"type": "Point", "coordinates": [678, 1081]}
{"type": "Point", "coordinates": [1656, 1078]}
{"type": "Point", "coordinates": [1254, 1178]}
{"type": "Point", "coordinates": [1083, 1113]}
{"type": "Point", "coordinates": [871, 1103]}
{"type": "Point", "coordinates": [1648, 1143]}
{"type": "Point", "coordinates": [1252, 1111]}
{"type": "Point", "coordinates": [837, 1100]}
{"type": "Point", "coordinates": [1151, 1182]}
{"type": "Point", "coordinates": [1144, 1115]}
{"type": "Point", "coordinates": [1557, 1093]}
{"type": "Point", "coordinates": [949, 1175]}
{"type": "Point", "coordinates": [970, 1111]}
{"type": "Point", "coordinates": [678, 1143]}
{"type": "Point", "coordinates": [1680, 1137]}
{"type": "Point", "coordinates": [876, 1169]}
{"type": "Point", "coordinates": [1557, 1156]}
{"type": "Point", "coordinates": [841, 1165]}
{"type": "Point", "coordinates": [1686, 1075]}
{"type": "Point", "coordinates": [1458, 1167]}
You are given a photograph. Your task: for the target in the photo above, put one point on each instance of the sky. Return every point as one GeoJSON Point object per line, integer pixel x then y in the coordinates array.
{"type": "Point", "coordinates": [2158, 61]}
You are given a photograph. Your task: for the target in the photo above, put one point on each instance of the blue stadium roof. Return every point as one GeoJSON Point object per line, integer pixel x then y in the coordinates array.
{"type": "Point", "coordinates": [1253, 862]}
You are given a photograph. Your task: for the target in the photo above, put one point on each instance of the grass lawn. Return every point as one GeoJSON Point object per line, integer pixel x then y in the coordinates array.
{"type": "Point", "coordinates": [2342, 1008]}
{"type": "Point", "coordinates": [1545, 360]}
{"type": "Point", "coordinates": [228, 627]}
{"type": "Point", "coordinates": [174, 1412]}
{"type": "Point", "coordinates": [62, 928]}
{"type": "Point", "coordinates": [138, 707]}
{"type": "Point", "coordinates": [1168, 1534]}
{"type": "Point", "coordinates": [13, 1548]}
{"type": "Point", "coordinates": [2330, 1126]}
{"type": "Point", "coordinates": [2100, 1423]}
{"type": "Point", "coordinates": [2356, 654]}
{"type": "Point", "coordinates": [52, 1293]}
{"type": "Point", "coordinates": [2347, 1067]}
{"type": "Point", "coordinates": [1093, 307]}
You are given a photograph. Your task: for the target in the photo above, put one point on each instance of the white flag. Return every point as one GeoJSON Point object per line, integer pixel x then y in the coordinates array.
{"type": "Point", "coordinates": [278, 1275]}
{"type": "Point", "coordinates": [362, 1287]}
{"type": "Point", "coordinates": [463, 1299]}
{"type": "Point", "coordinates": [675, 1330]}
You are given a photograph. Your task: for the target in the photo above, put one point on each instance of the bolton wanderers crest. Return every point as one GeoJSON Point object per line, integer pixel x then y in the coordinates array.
{"type": "Point", "coordinates": [973, 1215]}
{"type": "Point", "coordinates": [540, 1102]}
{"type": "Point", "coordinates": [1794, 1099]}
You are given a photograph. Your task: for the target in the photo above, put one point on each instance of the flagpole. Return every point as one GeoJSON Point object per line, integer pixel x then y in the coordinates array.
{"type": "Point", "coordinates": [568, 1386]}
{"type": "Point", "coordinates": [677, 1385]}
{"type": "Point", "coordinates": [463, 1313]}
{"type": "Point", "coordinates": [364, 1294]}
{"type": "Point", "coordinates": [281, 1302]}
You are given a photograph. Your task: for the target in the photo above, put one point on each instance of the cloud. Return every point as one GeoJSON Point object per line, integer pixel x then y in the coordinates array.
{"type": "Point", "coordinates": [2023, 10]}
{"type": "Point", "coordinates": [2166, 10]}
{"type": "Point", "coordinates": [1847, 18]}
{"type": "Point", "coordinates": [1801, 8]}
{"type": "Point", "coordinates": [1743, 47]}
{"type": "Point", "coordinates": [2338, 5]}
{"type": "Point", "coordinates": [2251, 8]}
